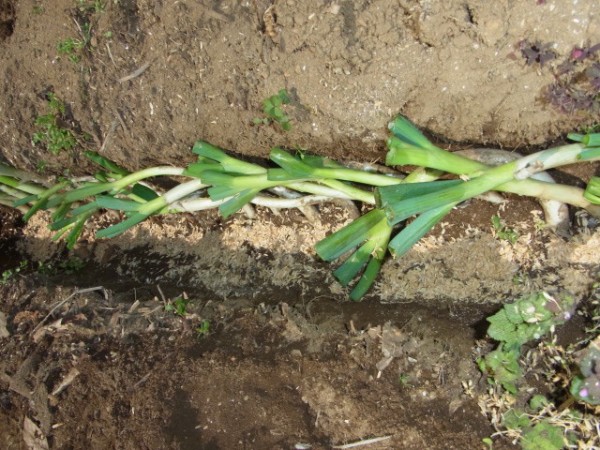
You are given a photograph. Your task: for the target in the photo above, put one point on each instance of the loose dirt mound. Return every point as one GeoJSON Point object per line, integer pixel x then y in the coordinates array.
{"type": "Point", "coordinates": [152, 77]}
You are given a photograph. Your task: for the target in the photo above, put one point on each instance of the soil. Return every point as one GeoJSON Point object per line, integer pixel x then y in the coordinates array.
{"type": "Point", "coordinates": [268, 352]}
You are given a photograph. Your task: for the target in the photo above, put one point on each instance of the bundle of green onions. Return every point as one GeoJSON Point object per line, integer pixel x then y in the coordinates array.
{"type": "Point", "coordinates": [403, 209]}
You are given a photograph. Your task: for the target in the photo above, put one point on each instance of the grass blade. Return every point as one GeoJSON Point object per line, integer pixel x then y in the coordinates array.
{"type": "Point", "coordinates": [121, 227]}
{"type": "Point", "coordinates": [106, 164]}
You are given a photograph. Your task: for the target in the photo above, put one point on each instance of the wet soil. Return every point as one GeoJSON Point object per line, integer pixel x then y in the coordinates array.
{"type": "Point", "coordinates": [268, 353]}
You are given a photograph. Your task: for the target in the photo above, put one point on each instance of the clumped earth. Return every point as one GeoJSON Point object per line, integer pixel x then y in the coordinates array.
{"type": "Point", "coordinates": [198, 332]}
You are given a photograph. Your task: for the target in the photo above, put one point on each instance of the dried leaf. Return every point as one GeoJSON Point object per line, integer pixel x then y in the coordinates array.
{"type": "Point", "coordinates": [33, 436]}
{"type": "Point", "coordinates": [3, 330]}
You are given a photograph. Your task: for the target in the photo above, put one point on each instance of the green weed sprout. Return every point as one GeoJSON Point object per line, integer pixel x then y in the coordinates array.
{"type": "Point", "coordinates": [178, 306]}
{"type": "Point", "coordinates": [273, 109]}
{"type": "Point", "coordinates": [9, 274]}
{"type": "Point", "coordinates": [402, 210]}
{"type": "Point", "coordinates": [503, 232]}
{"type": "Point", "coordinates": [70, 48]}
{"type": "Point", "coordinates": [52, 135]}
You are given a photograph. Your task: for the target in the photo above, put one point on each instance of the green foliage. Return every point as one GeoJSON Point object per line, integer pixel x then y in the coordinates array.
{"type": "Point", "coordinates": [541, 436]}
{"type": "Point", "coordinates": [178, 306]}
{"type": "Point", "coordinates": [203, 329]}
{"type": "Point", "coordinates": [70, 48]}
{"type": "Point", "coordinates": [592, 191]}
{"type": "Point", "coordinates": [405, 208]}
{"type": "Point", "coordinates": [95, 6]}
{"type": "Point", "coordinates": [528, 319]}
{"type": "Point", "coordinates": [9, 274]}
{"type": "Point", "coordinates": [68, 266]}
{"type": "Point", "coordinates": [273, 109]}
{"type": "Point", "coordinates": [503, 232]}
{"type": "Point", "coordinates": [502, 366]}
{"type": "Point", "coordinates": [516, 324]}
{"type": "Point", "coordinates": [52, 135]}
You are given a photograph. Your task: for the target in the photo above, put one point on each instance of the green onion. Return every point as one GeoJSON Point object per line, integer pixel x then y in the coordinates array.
{"type": "Point", "coordinates": [410, 135]}
{"type": "Point", "coordinates": [228, 163]}
{"type": "Point", "coordinates": [152, 207]}
{"type": "Point", "coordinates": [592, 191]}
{"type": "Point", "coordinates": [415, 230]}
{"type": "Point", "coordinates": [42, 199]}
{"type": "Point", "coordinates": [115, 169]}
{"type": "Point", "coordinates": [116, 186]}
{"type": "Point", "coordinates": [372, 233]}
{"type": "Point", "coordinates": [298, 168]}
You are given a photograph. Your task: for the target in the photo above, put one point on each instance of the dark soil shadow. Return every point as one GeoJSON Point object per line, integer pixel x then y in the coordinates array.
{"type": "Point", "coordinates": [277, 366]}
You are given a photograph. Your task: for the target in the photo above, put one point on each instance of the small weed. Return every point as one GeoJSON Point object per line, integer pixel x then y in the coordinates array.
{"type": "Point", "coordinates": [52, 135]}
{"type": "Point", "coordinates": [272, 107]}
{"type": "Point", "coordinates": [585, 387]}
{"type": "Point", "coordinates": [68, 266]}
{"type": "Point", "coordinates": [536, 52]}
{"type": "Point", "coordinates": [503, 232]}
{"type": "Point", "coordinates": [178, 306]}
{"type": "Point", "coordinates": [9, 274]}
{"type": "Point", "coordinates": [70, 48]}
{"type": "Point", "coordinates": [404, 380]}
{"type": "Point", "coordinates": [542, 435]}
{"type": "Point", "coordinates": [203, 329]}
{"type": "Point", "coordinates": [38, 9]}
{"type": "Point", "coordinates": [538, 423]}
{"type": "Point", "coordinates": [96, 6]}
{"type": "Point", "coordinates": [528, 319]}
{"type": "Point", "coordinates": [519, 279]}
{"type": "Point", "coordinates": [577, 85]}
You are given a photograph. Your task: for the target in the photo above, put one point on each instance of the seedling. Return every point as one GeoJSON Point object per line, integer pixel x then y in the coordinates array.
{"type": "Point", "coordinates": [178, 306]}
{"type": "Point", "coordinates": [203, 329]}
{"type": "Point", "coordinates": [539, 424]}
{"type": "Point", "coordinates": [52, 135]}
{"type": "Point", "coordinates": [70, 48]}
{"type": "Point", "coordinates": [96, 6]}
{"type": "Point", "coordinates": [68, 266]}
{"type": "Point", "coordinates": [273, 109]}
{"type": "Point", "coordinates": [585, 387]}
{"type": "Point", "coordinates": [503, 232]}
{"type": "Point", "coordinates": [9, 274]}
